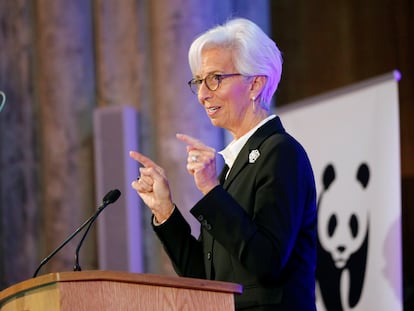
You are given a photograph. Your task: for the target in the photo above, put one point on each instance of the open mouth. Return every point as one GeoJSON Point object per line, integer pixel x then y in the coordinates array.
{"type": "Point", "coordinates": [212, 110]}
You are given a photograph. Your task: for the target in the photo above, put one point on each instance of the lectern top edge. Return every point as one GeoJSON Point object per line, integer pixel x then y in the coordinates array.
{"type": "Point", "coordinates": [123, 277]}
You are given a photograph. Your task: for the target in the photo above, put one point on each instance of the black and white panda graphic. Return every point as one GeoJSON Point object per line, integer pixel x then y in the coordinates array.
{"type": "Point", "coordinates": [343, 231]}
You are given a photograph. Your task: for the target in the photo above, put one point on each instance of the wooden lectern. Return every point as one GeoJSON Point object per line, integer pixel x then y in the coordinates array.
{"type": "Point", "coordinates": [108, 290]}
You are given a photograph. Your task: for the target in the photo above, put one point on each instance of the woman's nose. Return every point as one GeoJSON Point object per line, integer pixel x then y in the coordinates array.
{"type": "Point", "coordinates": [203, 93]}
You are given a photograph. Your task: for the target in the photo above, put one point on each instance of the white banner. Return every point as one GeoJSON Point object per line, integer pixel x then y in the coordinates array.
{"type": "Point", "coordinates": [352, 138]}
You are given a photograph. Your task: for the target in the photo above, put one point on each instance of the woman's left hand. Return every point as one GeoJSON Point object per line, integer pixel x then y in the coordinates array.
{"type": "Point", "coordinates": [201, 163]}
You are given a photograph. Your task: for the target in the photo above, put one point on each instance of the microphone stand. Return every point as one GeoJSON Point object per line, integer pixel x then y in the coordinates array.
{"type": "Point", "coordinates": [109, 198]}
{"type": "Point", "coordinates": [44, 261]}
{"type": "Point", "coordinates": [77, 267]}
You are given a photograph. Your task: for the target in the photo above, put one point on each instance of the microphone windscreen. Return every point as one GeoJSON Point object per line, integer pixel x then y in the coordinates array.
{"type": "Point", "coordinates": [112, 196]}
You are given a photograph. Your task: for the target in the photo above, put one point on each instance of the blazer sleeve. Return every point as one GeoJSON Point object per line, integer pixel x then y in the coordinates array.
{"type": "Point", "coordinates": [184, 250]}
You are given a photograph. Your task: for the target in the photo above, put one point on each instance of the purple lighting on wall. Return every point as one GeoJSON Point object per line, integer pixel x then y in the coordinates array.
{"type": "Point", "coordinates": [397, 75]}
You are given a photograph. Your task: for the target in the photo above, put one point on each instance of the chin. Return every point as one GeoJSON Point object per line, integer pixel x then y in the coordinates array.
{"type": "Point", "coordinates": [216, 122]}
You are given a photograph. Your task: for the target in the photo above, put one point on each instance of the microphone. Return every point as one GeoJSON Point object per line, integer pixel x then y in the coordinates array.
{"type": "Point", "coordinates": [3, 102]}
{"type": "Point", "coordinates": [109, 198]}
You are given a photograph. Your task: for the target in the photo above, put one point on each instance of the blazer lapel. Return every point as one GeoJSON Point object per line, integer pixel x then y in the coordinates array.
{"type": "Point", "coordinates": [269, 128]}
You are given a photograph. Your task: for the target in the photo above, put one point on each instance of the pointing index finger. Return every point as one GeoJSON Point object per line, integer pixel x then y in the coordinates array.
{"type": "Point", "coordinates": [146, 162]}
{"type": "Point", "coordinates": [191, 141]}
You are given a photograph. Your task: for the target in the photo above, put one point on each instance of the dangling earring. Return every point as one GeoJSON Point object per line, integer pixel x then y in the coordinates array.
{"type": "Point", "coordinates": [253, 100]}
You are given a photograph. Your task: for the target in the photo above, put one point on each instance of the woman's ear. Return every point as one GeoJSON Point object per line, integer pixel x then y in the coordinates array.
{"type": "Point", "coordinates": [257, 85]}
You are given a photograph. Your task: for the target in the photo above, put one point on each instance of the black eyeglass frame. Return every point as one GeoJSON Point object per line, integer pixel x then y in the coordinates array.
{"type": "Point", "coordinates": [196, 83]}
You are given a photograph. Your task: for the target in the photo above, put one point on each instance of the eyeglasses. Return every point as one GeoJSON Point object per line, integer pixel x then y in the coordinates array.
{"type": "Point", "coordinates": [212, 81]}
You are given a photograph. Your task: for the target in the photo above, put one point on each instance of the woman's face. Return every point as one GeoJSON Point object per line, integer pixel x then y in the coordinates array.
{"type": "Point", "coordinates": [228, 106]}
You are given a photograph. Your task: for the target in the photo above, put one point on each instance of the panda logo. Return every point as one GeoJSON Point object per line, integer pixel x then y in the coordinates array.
{"type": "Point", "coordinates": [343, 230]}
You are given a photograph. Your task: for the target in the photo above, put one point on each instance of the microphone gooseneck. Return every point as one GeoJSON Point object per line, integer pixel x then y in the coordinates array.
{"type": "Point", "coordinates": [109, 198]}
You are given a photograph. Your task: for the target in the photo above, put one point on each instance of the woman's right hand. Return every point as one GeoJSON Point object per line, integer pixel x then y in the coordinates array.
{"type": "Point", "coordinates": [152, 186]}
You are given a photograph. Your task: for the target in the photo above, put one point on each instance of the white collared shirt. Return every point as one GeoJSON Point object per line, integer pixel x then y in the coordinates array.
{"type": "Point", "coordinates": [232, 150]}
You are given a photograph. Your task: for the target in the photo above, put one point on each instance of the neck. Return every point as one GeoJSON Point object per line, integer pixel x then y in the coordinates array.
{"type": "Point", "coordinates": [250, 123]}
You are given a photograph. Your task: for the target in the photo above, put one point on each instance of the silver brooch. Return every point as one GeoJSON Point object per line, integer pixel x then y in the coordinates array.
{"type": "Point", "coordinates": [254, 155]}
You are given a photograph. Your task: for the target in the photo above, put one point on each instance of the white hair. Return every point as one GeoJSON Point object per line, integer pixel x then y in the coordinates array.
{"type": "Point", "coordinates": [254, 53]}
